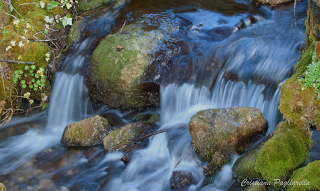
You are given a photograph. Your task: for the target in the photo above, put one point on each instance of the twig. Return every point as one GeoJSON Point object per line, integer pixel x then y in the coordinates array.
{"type": "Point", "coordinates": [19, 62]}
{"type": "Point", "coordinates": [27, 3]}
{"type": "Point", "coordinates": [11, 7]}
{"type": "Point", "coordinates": [198, 163]}
{"type": "Point", "coordinates": [157, 132]}
{"type": "Point", "coordinates": [29, 109]}
{"type": "Point", "coordinates": [183, 157]}
{"type": "Point", "coordinates": [124, 24]}
{"type": "Point", "coordinates": [46, 40]}
{"type": "Point", "coordinates": [9, 14]}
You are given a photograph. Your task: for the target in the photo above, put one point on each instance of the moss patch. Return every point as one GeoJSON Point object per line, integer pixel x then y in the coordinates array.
{"type": "Point", "coordinates": [310, 173]}
{"type": "Point", "coordinates": [114, 73]}
{"type": "Point", "coordinates": [91, 4]}
{"type": "Point", "coordinates": [284, 152]}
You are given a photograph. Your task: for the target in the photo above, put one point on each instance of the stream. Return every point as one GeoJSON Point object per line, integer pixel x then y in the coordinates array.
{"type": "Point", "coordinates": [234, 67]}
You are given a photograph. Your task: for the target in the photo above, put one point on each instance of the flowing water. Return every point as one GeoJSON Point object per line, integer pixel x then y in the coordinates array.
{"type": "Point", "coordinates": [243, 67]}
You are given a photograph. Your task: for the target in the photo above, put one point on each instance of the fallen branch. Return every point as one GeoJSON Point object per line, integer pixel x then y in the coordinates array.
{"type": "Point", "coordinates": [19, 62]}
{"type": "Point", "coordinates": [183, 157]}
{"type": "Point", "coordinates": [294, 12]}
{"type": "Point", "coordinates": [198, 163]}
{"type": "Point", "coordinates": [160, 131]}
{"type": "Point", "coordinates": [46, 40]}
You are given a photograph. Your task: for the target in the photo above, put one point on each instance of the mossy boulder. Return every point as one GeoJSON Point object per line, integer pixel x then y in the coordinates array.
{"type": "Point", "coordinates": [88, 132]}
{"type": "Point", "coordinates": [308, 177]}
{"type": "Point", "coordinates": [118, 64]}
{"type": "Point", "coordinates": [230, 130]}
{"type": "Point", "coordinates": [77, 31]}
{"type": "Point", "coordinates": [119, 139]}
{"type": "Point", "coordinates": [92, 4]}
{"type": "Point", "coordinates": [2, 187]}
{"type": "Point", "coordinates": [284, 152]}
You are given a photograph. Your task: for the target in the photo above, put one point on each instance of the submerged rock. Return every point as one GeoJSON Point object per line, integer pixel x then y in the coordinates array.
{"type": "Point", "coordinates": [115, 74]}
{"type": "Point", "coordinates": [308, 177]}
{"type": "Point", "coordinates": [180, 180]}
{"type": "Point", "coordinates": [88, 132]}
{"type": "Point", "coordinates": [230, 130]}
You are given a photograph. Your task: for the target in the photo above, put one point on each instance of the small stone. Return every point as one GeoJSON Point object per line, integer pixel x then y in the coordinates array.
{"type": "Point", "coordinates": [180, 179]}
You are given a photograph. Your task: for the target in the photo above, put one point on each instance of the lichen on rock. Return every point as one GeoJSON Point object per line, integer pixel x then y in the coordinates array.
{"type": "Point", "coordinates": [88, 132]}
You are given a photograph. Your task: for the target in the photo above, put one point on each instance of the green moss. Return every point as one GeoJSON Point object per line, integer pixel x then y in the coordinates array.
{"type": "Point", "coordinates": [153, 118]}
{"type": "Point", "coordinates": [284, 152]}
{"type": "Point", "coordinates": [75, 31]}
{"type": "Point", "coordinates": [85, 5]}
{"type": "Point", "coordinates": [311, 175]}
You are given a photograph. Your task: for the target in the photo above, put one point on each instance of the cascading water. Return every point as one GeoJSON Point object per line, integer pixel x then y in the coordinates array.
{"type": "Point", "coordinates": [257, 74]}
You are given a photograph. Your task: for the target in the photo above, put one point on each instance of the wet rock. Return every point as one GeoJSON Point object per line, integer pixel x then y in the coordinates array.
{"type": "Point", "coordinates": [126, 159]}
{"type": "Point", "coordinates": [115, 77]}
{"type": "Point", "coordinates": [77, 31]}
{"type": "Point", "coordinates": [88, 132]}
{"type": "Point", "coordinates": [308, 176]}
{"type": "Point", "coordinates": [256, 188]}
{"type": "Point", "coordinates": [114, 119]}
{"type": "Point", "coordinates": [272, 2]}
{"type": "Point", "coordinates": [123, 139]}
{"type": "Point", "coordinates": [230, 130]}
{"type": "Point", "coordinates": [313, 22]}
{"type": "Point", "coordinates": [2, 187]}
{"type": "Point", "coordinates": [180, 180]}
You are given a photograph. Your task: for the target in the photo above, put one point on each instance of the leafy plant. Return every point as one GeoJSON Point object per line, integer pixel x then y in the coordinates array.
{"type": "Point", "coordinates": [312, 75]}
{"type": "Point", "coordinates": [29, 78]}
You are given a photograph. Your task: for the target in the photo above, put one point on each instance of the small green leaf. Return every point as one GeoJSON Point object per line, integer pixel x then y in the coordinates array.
{"type": "Point", "coordinates": [46, 31]}
{"type": "Point", "coordinates": [37, 75]}
{"type": "Point", "coordinates": [33, 67]}
{"type": "Point", "coordinates": [31, 86]}
{"type": "Point", "coordinates": [25, 75]}
{"type": "Point", "coordinates": [68, 5]}
{"type": "Point", "coordinates": [20, 72]}
{"type": "Point", "coordinates": [32, 74]}
{"type": "Point", "coordinates": [42, 85]}
{"type": "Point", "coordinates": [31, 71]}
{"type": "Point", "coordinates": [33, 80]}
{"type": "Point", "coordinates": [5, 31]}
{"type": "Point", "coordinates": [38, 82]}
{"type": "Point", "coordinates": [23, 81]}
{"type": "Point", "coordinates": [35, 85]}
{"type": "Point", "coordinates": [43, 80]}
{"type": "Point", "coordinates": [35, 89]}
{"type": "Point", "coordinates": [26, 67]}
{"type": "Point", "coordinates": [24, 86]}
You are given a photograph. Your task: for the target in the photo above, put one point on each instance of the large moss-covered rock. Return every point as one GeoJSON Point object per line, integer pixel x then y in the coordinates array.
{"type": "Point", "coordinates": [306, 178]}
{"type": "Point", "coordinates": [118, 64]}
{"type": "Point", "coordinates": [88, 132]}
{"type": "Point", "coordinates": [284, 152]}
{"type": "Point", "coordinates": [313, 22]}
{"type": "Point", "coordinates": [230, 130]}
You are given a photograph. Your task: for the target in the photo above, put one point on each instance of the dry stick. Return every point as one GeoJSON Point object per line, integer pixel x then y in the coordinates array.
{"type": "Point", "coordinates": [157, 132]}
{"type": "Point", "coordinates": [4, 89]}
{"type": "Point", "coordinates": [183, 157]}
{"type": "Point", "coordinates": [46, 40]}
{"type": "Point", "coordinates": [9, 14]}
{"type": "Point", "coordinates": [19, 62]}
{"type": "Point", "coordinates": [10, 6]}
{"type": "Point", "coordinates": [124, 24]}
{"type": "Point", "coordinates": [198, 163]}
